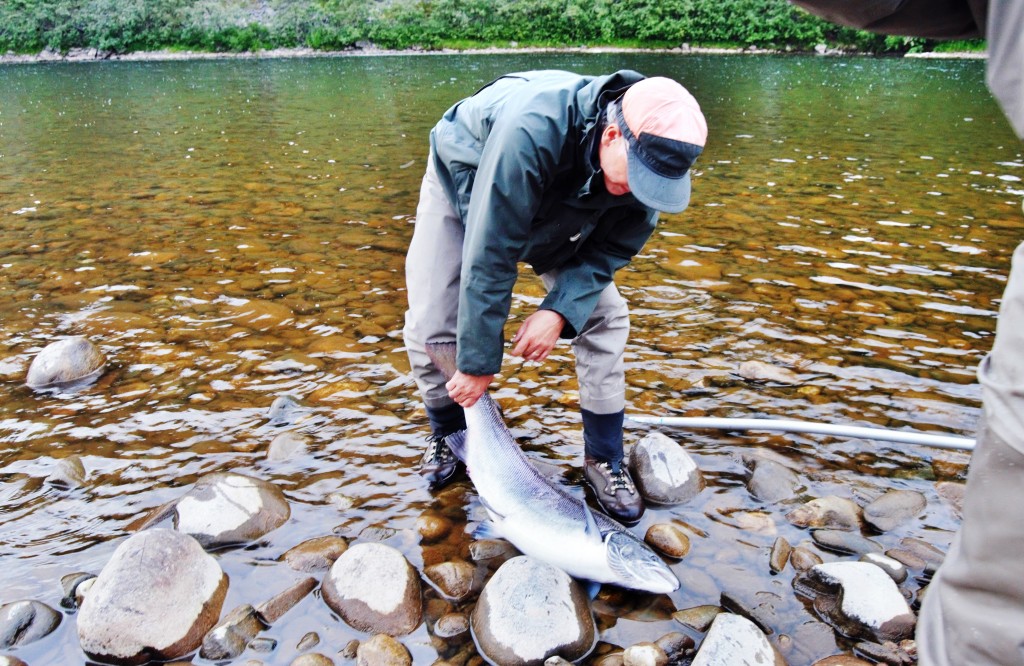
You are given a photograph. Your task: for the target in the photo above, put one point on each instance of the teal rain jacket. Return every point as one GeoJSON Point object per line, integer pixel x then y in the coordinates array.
{"type": "Point", "coordinates": [519, 163]}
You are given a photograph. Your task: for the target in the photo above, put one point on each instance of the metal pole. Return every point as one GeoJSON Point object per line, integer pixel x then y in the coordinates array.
{"type": "Point", "coordinates": [903, 436]}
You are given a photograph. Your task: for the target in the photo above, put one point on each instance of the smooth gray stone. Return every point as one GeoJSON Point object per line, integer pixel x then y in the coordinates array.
{"type": "Point", "coordinates": [374, 589]}
{"type": "Point", "coordinates": [869, 604]}
{"type": "Point", "coordinates": [155, 599]}
{"type": "Point", "coordinates": [24, 622]}
{"type": "Point", "coordinates": [736, 641]}
{"type": "Point", "coordinates": [69, 363]}
{"type": "Point", "coordinates": [664, 472]}
{"type": "Point", "coordinates": [893, 508]}
{"type": "Point", "coordinates": [529, 611]}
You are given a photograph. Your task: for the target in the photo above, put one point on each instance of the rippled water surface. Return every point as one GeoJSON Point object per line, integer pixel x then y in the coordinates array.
{"type": "Point", "coordinates": [231, 232]}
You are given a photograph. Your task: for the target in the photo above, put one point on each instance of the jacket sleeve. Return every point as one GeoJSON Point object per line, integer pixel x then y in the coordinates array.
{"type": "Point", "coordinates": [580, 282]}
{"type": "Point", "coordinates": [510, 179]}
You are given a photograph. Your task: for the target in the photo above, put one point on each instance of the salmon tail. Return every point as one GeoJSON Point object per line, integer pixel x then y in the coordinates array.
{"type": "Point", "coordinates": [442, 355]}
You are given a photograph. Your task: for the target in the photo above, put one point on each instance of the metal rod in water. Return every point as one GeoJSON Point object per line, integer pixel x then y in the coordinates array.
{"type": "Point", "coordinates": [903, 436]}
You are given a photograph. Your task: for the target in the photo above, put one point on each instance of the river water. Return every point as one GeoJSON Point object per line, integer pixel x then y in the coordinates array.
{"type": "Point", "coordinates": [230, 232]}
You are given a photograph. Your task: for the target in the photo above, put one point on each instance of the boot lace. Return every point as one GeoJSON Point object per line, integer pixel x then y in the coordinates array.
{"type": "Point", "coordinates": [440, 453]}
{"type": "Point", "coordinates": [618, 480]}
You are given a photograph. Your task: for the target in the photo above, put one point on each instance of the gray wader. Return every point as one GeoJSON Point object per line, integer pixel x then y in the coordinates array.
{"type": "Point", "coordinates": [973, 611]}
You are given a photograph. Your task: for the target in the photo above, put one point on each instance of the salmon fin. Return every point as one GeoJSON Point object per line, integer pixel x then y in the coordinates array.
{"type": "Point", "coordinates": [457, 443]}
{"type": "Point", "coordinates": [486, 530]}
{"type": "Point", "coordinates": [442, 355]}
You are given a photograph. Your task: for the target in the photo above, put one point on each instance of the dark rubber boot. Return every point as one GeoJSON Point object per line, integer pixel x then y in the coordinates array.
{"type": "Point", "coordinates": [439, 465]}
{"type": "Point", "coordinates": [603, 470]}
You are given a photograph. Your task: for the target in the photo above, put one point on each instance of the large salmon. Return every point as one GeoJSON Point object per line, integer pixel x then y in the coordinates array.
{"type": "Point", "coordinates": [540, 519]}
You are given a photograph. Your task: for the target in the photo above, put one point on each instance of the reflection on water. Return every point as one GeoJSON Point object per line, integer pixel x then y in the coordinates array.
{"type": "Point", "coordinates": [230, 232]}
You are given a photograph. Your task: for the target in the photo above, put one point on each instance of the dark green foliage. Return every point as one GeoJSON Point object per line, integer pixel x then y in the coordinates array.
{"type": "Point", "coordinates": [120, 26]}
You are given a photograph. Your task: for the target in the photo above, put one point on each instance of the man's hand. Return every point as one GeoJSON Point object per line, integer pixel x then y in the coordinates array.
{"type": "Point", "coordinates": [467, 389]}
{"type": "Point", "coordinates": [538, 334]}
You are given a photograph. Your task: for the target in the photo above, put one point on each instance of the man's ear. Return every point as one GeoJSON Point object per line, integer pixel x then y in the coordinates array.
{"type": "Point", "coordinates": [611, 133]}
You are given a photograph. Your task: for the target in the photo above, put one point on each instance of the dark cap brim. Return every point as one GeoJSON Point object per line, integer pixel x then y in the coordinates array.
{"type": "Point", "coordinates": [668, 195]}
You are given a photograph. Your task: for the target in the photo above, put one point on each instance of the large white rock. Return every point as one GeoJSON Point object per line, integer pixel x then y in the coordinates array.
{"type": "Point", "coordinates": [227, 508]}
{"type": "Point", "coordinates": [64, 363]}
{"type": "Point", "coordinates": [734, 640]}
{"type": "Point", "coordinates": [529, 611]}
{"type": "Point", "coordinates": [869, 602]}
{"type": "Point", "coordinates": [154, 600]}
{"type": "Point", "coordinates": [663, 471]}
{"type": "Point", "coordinates": [375, 589]}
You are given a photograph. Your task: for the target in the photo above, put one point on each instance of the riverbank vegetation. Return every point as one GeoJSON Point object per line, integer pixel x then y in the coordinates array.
{"type": "Point", "coordinates": [126, 26]}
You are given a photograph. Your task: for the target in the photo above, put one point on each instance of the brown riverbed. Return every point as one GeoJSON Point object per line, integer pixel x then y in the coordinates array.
{"type": "Point", "coordinates": [229, 232]}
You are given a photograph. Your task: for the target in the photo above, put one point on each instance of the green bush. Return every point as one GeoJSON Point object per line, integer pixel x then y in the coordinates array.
{"type": "Point", "coordinates": [121, 26]}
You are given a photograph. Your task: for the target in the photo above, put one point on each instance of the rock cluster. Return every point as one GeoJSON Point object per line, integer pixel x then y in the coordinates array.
{"type": "Point", "coordinates": [161, 594]}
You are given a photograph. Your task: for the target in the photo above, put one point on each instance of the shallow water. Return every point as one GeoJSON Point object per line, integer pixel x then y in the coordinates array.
{"type": "Point", "coordinates": [230, 232]}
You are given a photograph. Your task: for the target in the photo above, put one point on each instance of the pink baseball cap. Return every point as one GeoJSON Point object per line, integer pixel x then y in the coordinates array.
{"type": "Point", "coordinates": [665, 131]}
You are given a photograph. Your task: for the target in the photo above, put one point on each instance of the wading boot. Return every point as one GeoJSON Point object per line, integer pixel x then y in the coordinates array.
{"type": "Point", "coordinates": [603, 470]}
{"type": "Point", "coordinates": [439, 465]}
{"type": "Point", "coordinates": [615, 490]}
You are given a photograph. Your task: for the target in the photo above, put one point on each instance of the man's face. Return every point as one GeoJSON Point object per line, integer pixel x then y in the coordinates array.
{"type": "Point", "coordinates": [612, 156]}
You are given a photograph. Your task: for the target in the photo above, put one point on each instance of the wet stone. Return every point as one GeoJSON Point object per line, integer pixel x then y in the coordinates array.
{"type": "Point", "coordinates": [869, 604]}
{"type": "Point", "coordinates": [698, 618]}
{"type": "Point", "coordinates": [263, 644]}
{"type": "Point", "coordinates": [644, 654]}
{"type": "Point", "coordinates": [24, 622]}
{"type": "Point", "coordinates": [312, 659]}
{"type": "Point", "coordinates": [769, 481]}
{"type": "Point", "coordinates": [932, 556]}
{"type": "Point", "coordinates": [285, 410]}
{"type": "Point", "coordinates": [844, 542]}
{"type": "Point", "coordinates": [888, 653]}
{"type": "Point", "coordinates": [273, 609]}
{"type": "Point", "coordinates": [803, 559]}
{"type": "Point", "coordinates": [432, 528]}
{"type": "Point", "coordinates": [71, 583]}
{"type": "Point", "coordinates": [292, 363]}
{"type": "Point", "coordinates": [758, 371]}
{"type": "Point", "coordinates": [317, 554]}
{"type": "Point", "coordinates": [664, 472]}
{"type": "Point", "coordinates": [227, 509]}
{"type": "Point", "coordinates": [896, 570]}
{"type": "Point", "coordinates": [156, 598]}
{"type": "Point", "coordinates": [308, 641]}
{"type": "Point", "coordinates": [451, 625]}
{"type": "Point", "coordinates": [230, 638]}
{"type": "Point", "coordinates": [953, 493]}
{"type": "Point", "coordinates": [779, 555]}
{"type": "Point", "coordinates": [676, 646]}
{"type": "Point", "coordinates": [67, 473]}
{"type": "Point", "coordinates": [835, 513]}
{"type": "Point", "coordinates": [489, 549]}
{"type": "Point", "coordinates": [735, 640]}
{"type": "Point", "coordinates": [841, 660]}
{"type": "Point", "coordinates": [668, 540]}
{"type": "Point", "coordinates": [66, 363]}
{"type": "Point", "coordinates": [529, 611]}
{"type": "Point", "coordinates": [762, 614]}
{"type": "Point", "coordinates": [350, 650]}
{"type": "Point", "coordinates": [452, 579]}
{"type": "Point", "coordinates": [893, 508]}
{"type": "Point", "coordinates": [374, 589]}
{"type": "Point", "coordinates": [286, 446]}
{"type": "Point", "coordinates": [382, 650]}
